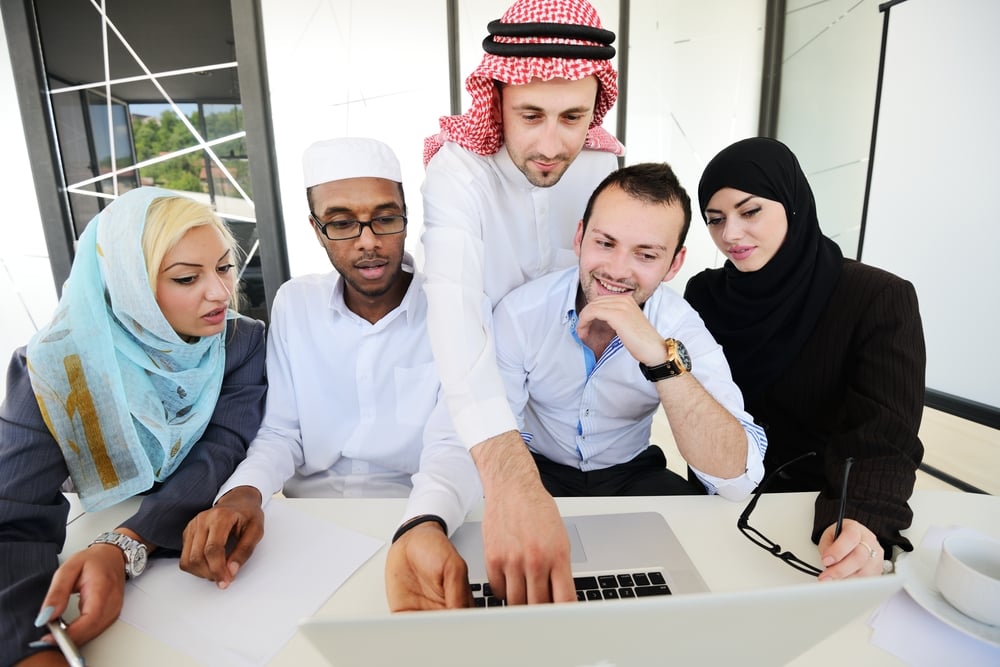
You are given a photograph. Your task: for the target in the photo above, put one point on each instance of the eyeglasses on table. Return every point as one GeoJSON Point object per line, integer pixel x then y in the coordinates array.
{"type": "Point", "coordinates": [769, 545]}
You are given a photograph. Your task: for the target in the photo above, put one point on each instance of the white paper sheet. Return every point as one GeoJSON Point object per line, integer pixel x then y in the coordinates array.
{"type": "Point", "coordinates": [298, 564]}
{"type": "Point", "coordinates": [911, 633]}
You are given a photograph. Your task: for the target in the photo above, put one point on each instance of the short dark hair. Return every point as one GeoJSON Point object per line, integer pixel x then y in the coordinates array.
{"type": "Point", "coordinates": [650, 182]}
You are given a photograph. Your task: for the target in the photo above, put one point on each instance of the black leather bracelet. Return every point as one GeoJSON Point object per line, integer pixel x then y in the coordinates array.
{"type": "Point", "coordinates": [416, 521]}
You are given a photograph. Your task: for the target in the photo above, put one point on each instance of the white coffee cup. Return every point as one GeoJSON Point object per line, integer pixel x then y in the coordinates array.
{"type": "Point", "coordinates": [968, 576]}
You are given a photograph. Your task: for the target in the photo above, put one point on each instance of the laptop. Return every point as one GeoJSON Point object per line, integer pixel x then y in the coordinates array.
{"type": "Point", "coordinates": [765, 627]}
{"type": "Point", "coordinates": [755, 627]}
{"type": "Point", "coordinates": [637, 549]}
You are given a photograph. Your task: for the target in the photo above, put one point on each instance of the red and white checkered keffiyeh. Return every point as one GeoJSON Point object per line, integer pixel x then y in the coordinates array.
{"type": "Point", "coordinates": [478, 131]}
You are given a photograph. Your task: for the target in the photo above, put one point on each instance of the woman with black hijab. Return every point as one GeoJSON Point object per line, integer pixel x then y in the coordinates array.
{"type": "Point", "coordinates": [829, 352]}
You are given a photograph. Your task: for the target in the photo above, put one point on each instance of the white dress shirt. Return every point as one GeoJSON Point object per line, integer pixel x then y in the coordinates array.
{"type": "Point", "coordinates": [487, 230]}
{"type": "Point", "coordinates": [352, 407]}
{"type": "Point", "coordinates": [592, 413]}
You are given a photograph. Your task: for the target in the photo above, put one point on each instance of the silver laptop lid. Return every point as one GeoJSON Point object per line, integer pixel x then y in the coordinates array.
{"type": "Point", "coordinates": [757, 627]}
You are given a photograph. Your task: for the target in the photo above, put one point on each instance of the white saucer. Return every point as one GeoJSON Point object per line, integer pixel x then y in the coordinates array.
{"type": "Point", "coordinates": [919, 568]}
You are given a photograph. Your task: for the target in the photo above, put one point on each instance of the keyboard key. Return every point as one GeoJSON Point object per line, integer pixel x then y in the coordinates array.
{"type": "Point", "coordinates": [592, 587]}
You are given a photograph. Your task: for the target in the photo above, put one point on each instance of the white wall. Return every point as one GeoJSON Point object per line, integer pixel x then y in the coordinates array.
{"type": "Point", "coordinates": [694, 88]}
{"type": "Point", "coordinates": [932, 209]}
{"type": "Point", "coordinates": [829, 77]}
{"type": "Point", "coordinates": [343, 68]}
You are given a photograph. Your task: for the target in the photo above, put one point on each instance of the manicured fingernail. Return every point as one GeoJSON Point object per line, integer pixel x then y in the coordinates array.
{"type": "Point", "coordinates": [234, 567]}
{"type": "Point", "coordinates": [44, 615]}
{"type": "Point", "coordinates": [828, 561]}
{"type": "Point", "coordinates": [39, 644]}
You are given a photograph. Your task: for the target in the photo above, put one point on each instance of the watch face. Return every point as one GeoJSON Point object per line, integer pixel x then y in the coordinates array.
{"type": "Point", "coordinates": [683, 354]}
{"type": "Point", "coordinates": [138, 561]}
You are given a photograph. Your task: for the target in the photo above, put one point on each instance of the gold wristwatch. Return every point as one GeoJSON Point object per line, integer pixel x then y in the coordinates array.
{"type": "Point", "coordinates": [678, 363]}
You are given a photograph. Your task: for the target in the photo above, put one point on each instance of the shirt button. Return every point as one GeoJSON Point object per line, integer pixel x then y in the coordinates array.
{"type": "Point", "coordinates": [586, 413]}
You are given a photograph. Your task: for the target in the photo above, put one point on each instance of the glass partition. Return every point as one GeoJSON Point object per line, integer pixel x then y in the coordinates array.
{"type": "Point", "coordinates": [828, 81]}
{"type": "Point", "coordinates": [140, 100]}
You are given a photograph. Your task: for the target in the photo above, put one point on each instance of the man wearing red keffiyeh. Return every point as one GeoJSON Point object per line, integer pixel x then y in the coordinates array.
{"type": "Point", "coordinates": [506, 183]}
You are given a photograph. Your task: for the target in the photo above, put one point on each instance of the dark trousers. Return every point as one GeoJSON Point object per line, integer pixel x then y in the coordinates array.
{"type": "Point", "coordinates": [645, 475]}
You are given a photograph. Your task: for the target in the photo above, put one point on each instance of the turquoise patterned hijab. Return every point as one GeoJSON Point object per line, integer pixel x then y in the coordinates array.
{"type": "Point", "coordinates": [124, 396]}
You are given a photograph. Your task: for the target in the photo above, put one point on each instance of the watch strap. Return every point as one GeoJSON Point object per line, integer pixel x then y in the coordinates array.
{"type": "Point", "coordinates": [130, 547]}
{"type": "Point", "coordinates": [677, 363]}
{"type": "Point", "coordinates": [667, 369]}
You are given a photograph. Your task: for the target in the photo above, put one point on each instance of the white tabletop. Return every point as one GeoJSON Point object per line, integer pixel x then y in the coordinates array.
{"type": "Point", "coordinates": [706, 526]}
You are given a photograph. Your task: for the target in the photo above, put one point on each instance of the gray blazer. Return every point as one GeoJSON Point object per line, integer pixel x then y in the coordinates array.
{"type": "Point", "coordinates": [33, 510]}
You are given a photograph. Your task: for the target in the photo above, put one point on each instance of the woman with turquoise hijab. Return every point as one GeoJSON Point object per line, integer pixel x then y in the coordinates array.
{"type": "Point", "coordinates": [146, 381]}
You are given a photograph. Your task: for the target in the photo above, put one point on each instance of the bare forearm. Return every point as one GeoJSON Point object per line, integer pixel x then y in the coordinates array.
{"type": "Point", "coordinates": [527, 549]}
{"type": "Point", "coordinates": [504, 460]}
{"type": "Point", "coordinates": [707, 435]}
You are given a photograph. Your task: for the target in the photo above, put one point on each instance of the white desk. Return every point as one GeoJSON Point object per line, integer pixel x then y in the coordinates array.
{"type": "Point", "coordinates": [706, 526]}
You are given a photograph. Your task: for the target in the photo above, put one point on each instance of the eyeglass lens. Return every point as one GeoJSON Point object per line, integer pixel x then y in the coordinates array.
{"type": "Point", "coordinates": [338, 230]}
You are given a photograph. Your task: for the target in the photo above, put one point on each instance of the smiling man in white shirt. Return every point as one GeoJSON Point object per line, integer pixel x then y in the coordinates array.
{"type": "Point", "coordinates": [589, 354]}
{"type": "Point", "coordinates": [352, 407]}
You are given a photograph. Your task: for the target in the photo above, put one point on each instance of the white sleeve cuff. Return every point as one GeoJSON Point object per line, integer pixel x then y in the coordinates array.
{"type": "Point", "coordinates": [484, 420]}
{"type": "Point", "coordinates": [432, 498]}
{"type": "Point", "coordinates": [740, 488]}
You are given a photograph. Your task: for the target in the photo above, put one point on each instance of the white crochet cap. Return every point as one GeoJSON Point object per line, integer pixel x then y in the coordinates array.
{"type": "Point", "coordinates": [349, 157]}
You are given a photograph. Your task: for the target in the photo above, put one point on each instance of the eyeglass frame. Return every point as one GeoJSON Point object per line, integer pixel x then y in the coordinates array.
{"type": "Point", "coordinates": [769, 545]}
{"type": "Point", "coordinates": [370, 224]}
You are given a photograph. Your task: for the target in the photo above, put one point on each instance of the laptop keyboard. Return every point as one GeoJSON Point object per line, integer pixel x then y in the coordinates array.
{"type": "Point", "coordinates": [593, 587]}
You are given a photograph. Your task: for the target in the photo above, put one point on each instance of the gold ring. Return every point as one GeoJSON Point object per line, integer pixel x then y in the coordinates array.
{"type": "Point", "coordinates": [871, 552]}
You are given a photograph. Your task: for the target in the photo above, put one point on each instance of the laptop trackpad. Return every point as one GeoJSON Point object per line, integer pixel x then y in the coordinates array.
{"type": "Point", "coordinates": [614, 542]}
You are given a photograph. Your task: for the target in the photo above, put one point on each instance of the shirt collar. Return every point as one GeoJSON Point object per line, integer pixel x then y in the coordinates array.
{"type": "Point", "coordinates": [570, 287]}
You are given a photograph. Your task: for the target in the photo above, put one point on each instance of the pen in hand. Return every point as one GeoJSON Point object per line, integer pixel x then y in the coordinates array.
{"type": "Point", "coordinates": [843, 498]}
{"type": "Point", "coordinates": [66, 645]}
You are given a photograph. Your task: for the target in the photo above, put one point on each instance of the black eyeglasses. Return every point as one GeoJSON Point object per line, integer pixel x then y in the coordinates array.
{"type": "Point", "coordinates": [769, 545]}
{"type": "Point", "coordinates": [342, 230]}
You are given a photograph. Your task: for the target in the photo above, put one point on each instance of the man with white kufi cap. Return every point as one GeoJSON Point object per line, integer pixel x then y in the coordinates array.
{"type": "Point", "coordinates": [352, 383]}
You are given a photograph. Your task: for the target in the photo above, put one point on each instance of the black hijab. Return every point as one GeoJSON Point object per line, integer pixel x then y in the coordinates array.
{"type": "Point", "coordinates": [763, 318]}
